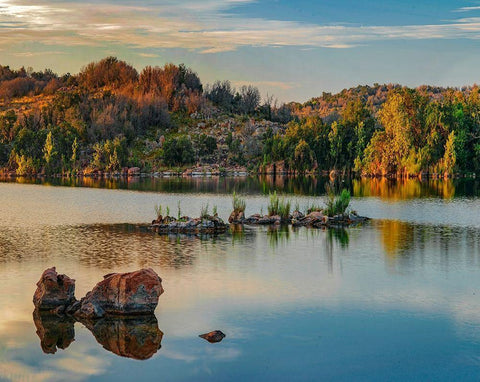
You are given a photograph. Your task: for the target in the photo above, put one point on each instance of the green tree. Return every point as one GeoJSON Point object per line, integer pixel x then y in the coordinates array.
{"type": "Point", "coordinates": [49, 152]}
{"type": "Point", "coordinates": [449, 158]}
{"type": "Point", "coordinates": [303, 156]}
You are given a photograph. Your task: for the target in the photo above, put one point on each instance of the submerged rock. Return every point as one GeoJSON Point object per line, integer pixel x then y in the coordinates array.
{"type": "Point", "coordinates": [54, 291]}
{"type": "Point", "coordinates": [212, 337]}
{"type": "Point", "coordinates": [122, 294]}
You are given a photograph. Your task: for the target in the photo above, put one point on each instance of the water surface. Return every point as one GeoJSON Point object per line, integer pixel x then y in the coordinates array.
{"type": "Point", "coordinates": [394, 299]}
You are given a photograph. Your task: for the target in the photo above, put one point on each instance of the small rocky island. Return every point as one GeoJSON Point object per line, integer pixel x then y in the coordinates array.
{"type": "Point", "coordinates": [334, 214]}
{"type": "Point", "coordinates": [205, 224]}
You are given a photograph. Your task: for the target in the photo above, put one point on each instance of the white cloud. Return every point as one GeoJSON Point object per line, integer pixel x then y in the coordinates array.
{"type": "Point", "coordinates": [467, 9]}
{"type": "Point", "coordinates": [204, 26]}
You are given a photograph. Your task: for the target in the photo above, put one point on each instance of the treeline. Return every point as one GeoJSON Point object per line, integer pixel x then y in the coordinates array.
{"type": "Point", "coordinates": [111, 116]}
{"type": "Point", "coordinates": [423, 130]}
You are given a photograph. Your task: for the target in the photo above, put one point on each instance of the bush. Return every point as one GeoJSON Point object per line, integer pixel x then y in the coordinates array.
{"type": "Point", "coordinates": [178, 151]}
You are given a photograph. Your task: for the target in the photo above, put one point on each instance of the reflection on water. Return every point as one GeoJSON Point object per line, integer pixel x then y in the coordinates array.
{"type": "Point", "coordinates": [394, 299]}
{"type": "Point", "coordinates": [54, 331]}
{"type": "Point", "coordinates": [393, 189]}
{"type": "Point", "coordinates": [131, 337]}
{"type": "Point", "coordinates": [134, 337]}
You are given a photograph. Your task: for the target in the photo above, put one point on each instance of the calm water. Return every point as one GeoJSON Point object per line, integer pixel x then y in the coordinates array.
{"type": "Point", "coordinates": [395, 299]}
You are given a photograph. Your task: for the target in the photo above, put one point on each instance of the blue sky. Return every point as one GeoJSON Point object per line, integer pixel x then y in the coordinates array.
{"type": "Point", "coordinates": [291, 49]}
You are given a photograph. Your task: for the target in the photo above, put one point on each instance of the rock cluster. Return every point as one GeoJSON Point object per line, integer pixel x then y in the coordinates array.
{"type": "Point", "coordinates": [297, 219]}
{"type": "Point", "coordinates": [131, 293]}
{"type": "Point", "coordinates": [203, 225]}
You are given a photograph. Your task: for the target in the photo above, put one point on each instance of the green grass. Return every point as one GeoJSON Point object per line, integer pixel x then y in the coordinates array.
{"type": "Point", "coordinates": [158, 210]}
{"type": "Point", "coordinates": [336, 204]}
{"type": "Point", "coordinates": [238, 203]}
{"type": "Point", "coordinates": [278, 206]}
{"type": "Point", "coordinates": [204, 211]}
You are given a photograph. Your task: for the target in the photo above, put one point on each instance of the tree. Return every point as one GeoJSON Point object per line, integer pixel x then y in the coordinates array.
{"type": "Point", "coordinates": [49, 152]}
{"type": "Point", "coordinates": [449, 158]}
{"type": "Point", "coordinates": [73, 158]}
{"type": "Point", "coordinates": [249, 99]}
{"type": "Point", "coordinates": [178, 151]}
{"type": "Point", "coordinates": [221, 94]}
{"type": "Point", "coordinates": [303, 156]}
{"type": "Point", "coordinates": [7, 126]}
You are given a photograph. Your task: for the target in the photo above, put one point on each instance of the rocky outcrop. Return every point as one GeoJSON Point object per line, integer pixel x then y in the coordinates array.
{"type": "Point", "coordinates": [130, 293]}
{"type": "Point", "coordinates": [188, 225]}
{"type": "Point", "coordinates": [264, 220]}
{"type": "Point", "coordinates": [54, 291]}
{"type": "Point", "coordinates": [212, 337]}
{"type": "Point", "coordinates": [314, 219]}
{"type": "Point", "coordinates": [121, 294]}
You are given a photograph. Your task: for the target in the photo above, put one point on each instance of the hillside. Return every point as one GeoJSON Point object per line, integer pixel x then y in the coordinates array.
{"type": "Point", "coordinates": [109, 117]}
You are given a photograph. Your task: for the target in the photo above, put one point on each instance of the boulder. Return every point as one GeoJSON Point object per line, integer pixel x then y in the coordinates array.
{"type": "Point", "coordinates": [297, 215]}
{"type": "Point", "coordinates": [122, 294]}
{"type": "Point", "coordinates": [236, 217]}
{"type": "Point", "coordinates": [133, 171]}
{"type": "Point", "coordinates": [212, 337]}
{"type": "Point", "coordinates": [54, 291]}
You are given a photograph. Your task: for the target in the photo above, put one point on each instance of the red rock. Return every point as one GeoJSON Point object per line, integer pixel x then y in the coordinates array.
{"type": "Point", "coordinates": [54, 291]}
{"type": "Point", "coordinates": [133, 171]}
{"type": "Point", "coordinates": [236, 217]}
{"type": "Point", "coordinates": [212, 337]}
{"type": "Point", "coordinates": [123, 294]}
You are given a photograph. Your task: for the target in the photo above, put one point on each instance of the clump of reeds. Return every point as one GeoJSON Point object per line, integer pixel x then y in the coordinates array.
{"type": "Point", "coordinates": [158, 210]}
{"type": "Point", "coordinates": [204, 211]}
{"type": "Point", "coordinates": [238, 203]}
{"type": "Point", "coordinates": [336, 204]}
{"type": "Point", "coordinates": [278, 206]}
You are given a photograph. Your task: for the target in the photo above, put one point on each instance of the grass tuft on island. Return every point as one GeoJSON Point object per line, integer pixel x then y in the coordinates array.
{"type": "Point", "coordinates": [336, 212]}
{"type": "Point", "coordinates": [205, 224]}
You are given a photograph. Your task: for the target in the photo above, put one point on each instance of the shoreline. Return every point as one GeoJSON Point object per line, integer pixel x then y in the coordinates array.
{"type": "Point", "coordinates": [229, 173]}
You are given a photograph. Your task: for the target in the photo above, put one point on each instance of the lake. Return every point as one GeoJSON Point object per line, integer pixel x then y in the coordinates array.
{"type": "Point", "coordinates": [397, 298]}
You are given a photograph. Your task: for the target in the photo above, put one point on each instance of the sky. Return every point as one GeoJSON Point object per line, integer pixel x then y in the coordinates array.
{"type": "Point", "coordinates": [293, 50]}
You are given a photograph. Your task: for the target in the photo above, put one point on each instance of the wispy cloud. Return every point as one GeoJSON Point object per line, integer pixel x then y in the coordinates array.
{"type": "Point", "coordinates": [148, 55]}
{"type": "Point", "coordinates": [266, 84]}
{"type": "Point", "coordinates": [467, 9]}
{"type": "Point", "coordinates": [206, 27]}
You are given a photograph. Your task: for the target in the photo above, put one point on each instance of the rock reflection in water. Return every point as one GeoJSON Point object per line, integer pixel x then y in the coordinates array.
{"type": "Point", "coordinates": [55, 332]}
{"type": "Point", "coordinates": [133, 337]}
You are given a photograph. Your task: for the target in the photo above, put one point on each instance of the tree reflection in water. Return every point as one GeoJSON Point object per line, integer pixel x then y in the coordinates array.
{"type": "Point", "coordinates": [390, 189]}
